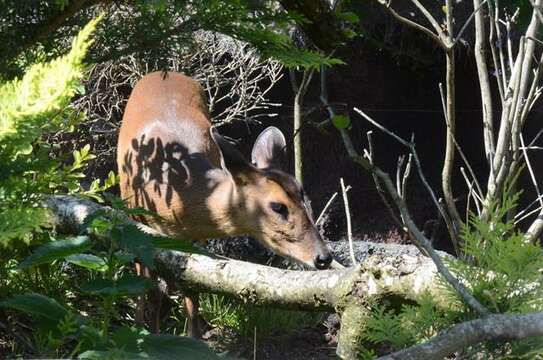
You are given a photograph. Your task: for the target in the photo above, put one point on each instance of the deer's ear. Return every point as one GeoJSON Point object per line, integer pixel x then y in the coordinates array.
{"type": "Point", "coordinates": [269, 150]}
{"type": "Point", "coordinates": [232, 160]}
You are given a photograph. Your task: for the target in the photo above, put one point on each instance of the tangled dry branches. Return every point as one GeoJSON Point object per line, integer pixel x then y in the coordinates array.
{"type": "Point", "coordinates": [235, 78]}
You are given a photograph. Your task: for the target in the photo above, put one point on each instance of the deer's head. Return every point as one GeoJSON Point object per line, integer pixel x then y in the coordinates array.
{"type": "Point", "coordinates": [270, 203]}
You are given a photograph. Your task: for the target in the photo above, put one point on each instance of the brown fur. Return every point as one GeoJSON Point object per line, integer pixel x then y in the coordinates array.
{"type": "Point", "coordinates": [169, 163]}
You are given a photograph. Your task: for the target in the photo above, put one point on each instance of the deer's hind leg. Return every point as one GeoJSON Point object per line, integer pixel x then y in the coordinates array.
{"type": "Point", "coordinates": [149, 307]}
{"type": "Point", "coordinates": [192, 304]}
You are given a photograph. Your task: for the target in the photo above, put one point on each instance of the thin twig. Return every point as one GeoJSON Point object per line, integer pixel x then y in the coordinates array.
{"type": "Point", "coordinates": [527, 215]}
{"type": "Point", "coordinates": [416, 26]}
{"type": "Point", "coordinates": [418, 236]}
{"type": "Point", "coordinates": [332, 198]}
{"type": "Point", "coordinates": [380, 191]}
{"type": "Point", "coordinates": [530, 170]}
{"type": "Point", "coordinates": [349, 226]}
{"type": "Point", "coordinates": [433, 21]}
{"type": "Point", "coordinates": [460, 151]}
{"type": "Point", "coordinates": [527, 208]}
{"type": "Point", "coordinates": [401, 160]}
{"type": "Point", "coordinates": [411, 146]}
{"type": "Point", "coordinates": [382, 128]}
{"type": "Point", "coordinates": [406, 174]}
{"type": "Point", "coordinates": [468, 21]}
{"type": "Point", "coordinates": [254, 344]}
{"type": "Point", "coordinates": [477, 200]}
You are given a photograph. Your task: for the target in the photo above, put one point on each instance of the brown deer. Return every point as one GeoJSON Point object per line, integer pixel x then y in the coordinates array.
{"type": "Point", "coordinates": [173, 162]}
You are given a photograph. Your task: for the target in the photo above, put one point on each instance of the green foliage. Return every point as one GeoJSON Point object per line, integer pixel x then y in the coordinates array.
{"type": "Point", "coordinates": [223, 312]}
{"type": "Point", "coordinates": [66, 271]}
{"type": "Point", "coordinates": [413, 324]}
{"type": "Point", "coordinates": [169, 347]}
{"type": "Point", "coordinates": [132, 343]}
{"type": "Point", "coordinates": [262, 25]}
{"type": "Point", "coordinates": [34, 105]}
{"type": "Point", "coordinates": [386, 327]}
{"type": "Point", "coordinates": [125, 285]}
{"type": "Point", "coordinates": [38, 305]}
{"type": "Point", "coordinates": [30, 107]}
{"type": "Point", "coordinates": [220, 311]}
{"type": "Point", "coordinates": [503, 273]}
{"type": "Point", "coordinates": [56, 250]}
{"type": "Point", "coordinates": [506, 276]}
{"type": "Point", "coordinates": [341, 121]}
{"type": "Point", "coordinates": [106, 256]}
{"type": "Point", "coordinates": [168, 26]}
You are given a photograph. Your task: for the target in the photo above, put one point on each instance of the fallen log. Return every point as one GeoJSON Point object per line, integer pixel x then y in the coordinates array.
{"type": "Point", "coordinates": [384, 270]}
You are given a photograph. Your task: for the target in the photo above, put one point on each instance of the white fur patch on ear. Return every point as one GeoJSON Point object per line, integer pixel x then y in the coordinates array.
{"type": "Point", "coordinates": [269, 149]}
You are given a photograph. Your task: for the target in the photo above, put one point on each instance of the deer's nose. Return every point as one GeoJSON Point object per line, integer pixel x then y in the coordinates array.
{"type": "Point", "coordinates": [323, 261]}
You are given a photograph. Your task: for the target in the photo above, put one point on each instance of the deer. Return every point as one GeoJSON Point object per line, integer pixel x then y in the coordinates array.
{"type": "Point", "coordinates": [173, 162]}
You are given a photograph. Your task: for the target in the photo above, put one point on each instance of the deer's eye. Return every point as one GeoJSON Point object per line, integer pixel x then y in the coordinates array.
{"type": "Point", "coordinates": [279, 208]}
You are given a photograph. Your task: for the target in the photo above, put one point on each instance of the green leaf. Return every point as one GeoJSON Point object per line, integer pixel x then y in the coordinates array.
{"type": "Point", "coordinates": [137, 242]}
{"type": "Point", "coordinates": [166, 347]}
{"type": "Point", "coordinates": [92, 338]}
{"type": "Point", "coordinates": [349, 16]}
{"type": "Point", "coordinates": [111, 180]}
{"type": "Point", "coordinates": [124, 257]}
{"type": "Point", "coordinates": [80, 89]}
{"type": "Point", "coordinates": [341, 121]}
{"type": "Point", "coordinates": [350, 34]}
{"type": "Point", "coordinates": [88, 261]}
{"type": "Point", "coordinates": [25, 149]}
{"type": "Point", "coordinates": [293, 57]}
{"type": "Point", "coordinates": [55, 250]}
{"type": "Point", "coordinates": [129, 338]}
{"type": "Point", "coordinates": [116, 202]}
{"type": "Point", "coordinates": [36, 304]}
{"type": "Point", "coordinates": [124, 286]}
{"type": "Point", "coordinates": [97, 221]}
{"type": "Point", "coordinates": [18, 223]}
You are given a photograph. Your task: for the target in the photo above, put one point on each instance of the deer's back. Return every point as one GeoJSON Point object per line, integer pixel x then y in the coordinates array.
{"type": "Point", "coordinates": [164, 148]}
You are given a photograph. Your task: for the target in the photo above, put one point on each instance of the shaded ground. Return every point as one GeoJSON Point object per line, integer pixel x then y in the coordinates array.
{"type": "Point", "coordinates": [318, 342]}
{"type": "Point", "coordinates": [300, 344]}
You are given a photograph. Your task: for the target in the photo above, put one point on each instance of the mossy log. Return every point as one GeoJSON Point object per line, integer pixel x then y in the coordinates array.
{"type": "Point", "coordinates": [405, 274]}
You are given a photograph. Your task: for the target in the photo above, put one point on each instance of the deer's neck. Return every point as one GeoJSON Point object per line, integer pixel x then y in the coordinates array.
{"type": "Point", "coordinates": [210, 209]}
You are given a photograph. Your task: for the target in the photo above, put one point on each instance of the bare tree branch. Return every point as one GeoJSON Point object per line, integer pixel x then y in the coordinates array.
{"type": "Point", "coordinates": [468, 21]}
{"type": "Point", "coordinates": [418, 236]}
{"type": "Point", "coordinates": [484, 81]}
{"type": "Point", "coordinates": [300, 90]}
{"type": "Point", "coordinates": [445, 39]}
{"type": "Point", "coordinates": [387, 5]}
{"type": "Point", "coordinates": [427, 186]}
{"type": "Point", "coordinates": [345, 291]}
{"type": "Point", "coordinates": [461, 336]}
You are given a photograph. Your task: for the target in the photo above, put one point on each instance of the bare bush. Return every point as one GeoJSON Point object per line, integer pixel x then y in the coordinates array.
{"type": "Point", "coordinates": [236, 79]}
